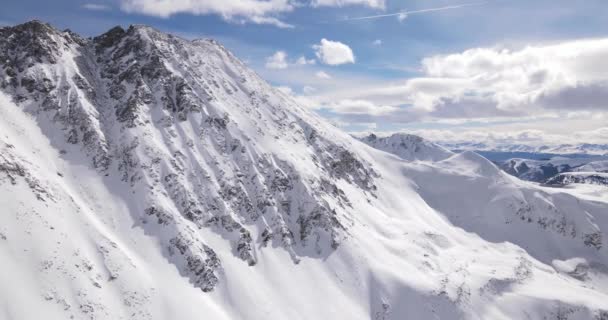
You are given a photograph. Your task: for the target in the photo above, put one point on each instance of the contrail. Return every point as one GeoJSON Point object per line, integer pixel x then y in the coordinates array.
{"type": "Point", "coordinates": [418, 11]}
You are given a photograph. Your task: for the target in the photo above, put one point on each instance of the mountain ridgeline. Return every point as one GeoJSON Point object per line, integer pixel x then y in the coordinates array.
{"type": "Point", "coordinates": [185, 123]}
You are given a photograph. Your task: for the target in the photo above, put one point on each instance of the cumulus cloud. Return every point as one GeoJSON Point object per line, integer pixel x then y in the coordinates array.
{"type": "Point", "coordinates": [333, 52]}
{"type": "Point", "coordinates": [277, 61]}
{"type": "Point", "coordinates": [558, 89]}
{"type": "Point", "coordinates": [322, 75]}
{"type": "Point", "coordinates": [377, 42]}
{"type": "Point", "coordinates": [379, 4]}
{"type": "Point", "coordinates": [559, 80]}
{"type": "Point", "coordinates": [240, 11]}
{"type": "Point", "coordinates": [570, 75]}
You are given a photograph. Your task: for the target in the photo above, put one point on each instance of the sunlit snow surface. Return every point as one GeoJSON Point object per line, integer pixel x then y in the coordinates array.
{"type": "Point", "coordinates": [448, 238]}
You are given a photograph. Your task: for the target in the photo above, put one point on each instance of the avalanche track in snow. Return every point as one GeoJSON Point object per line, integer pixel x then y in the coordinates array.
{"type": "Point", "coordinates": [144, 176]}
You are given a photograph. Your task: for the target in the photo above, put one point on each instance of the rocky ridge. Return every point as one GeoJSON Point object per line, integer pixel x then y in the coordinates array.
{"type": "Point", "coordinates": [180, 122]}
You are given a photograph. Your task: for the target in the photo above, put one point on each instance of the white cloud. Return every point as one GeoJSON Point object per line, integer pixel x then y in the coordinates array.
{"type": "Point", "coordinates": [95, 6]}
{"type": "Point", "coordinates": [560, 89]}
{"type": "Point", "coordinates": [241, 11]}
{"type": "Point", "coordinates": [359, 107]}
{"type": "Point", "coordinates": [377, 42]}
{"type": "Point", "coordinates": [305, 101]}
{"type": "Point", "coordinates": [379, 4]}
{"type": "Point", "coordinates": [266, 20]}
{"type": "Point", "coordinates": [402, 16]}
{"type": "Point", "coordinates": [556, 79]}
{"type": "Point", "coordinates": [308, 90]}
{"type": "Point", "coordinates": [285, 89]}
{"type": "Point", "coordinates": [302, 61]}
{"type": "Point", "coordinates": [526, 137]}
{"type": "Point", "coordinates": [277, 61]}
{"type": "Point", "coordinates": [322, 75]}
{"type": "Point", "coordinates": [334, 52]}
{"type": "Point", "coordinates": [569, 76]}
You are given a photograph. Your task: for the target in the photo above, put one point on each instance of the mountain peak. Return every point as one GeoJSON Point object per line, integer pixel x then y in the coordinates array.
{"type": "Point", "coordinates": [110, 37]}
{"type": "Point", "coordinates": [152, 111]}
{"type": "Point", "coordinates": [407, 146]}
{"type": "Point", "coordinates": [145, 29]}
{"type": "Point", "coordinates": [35, 26]}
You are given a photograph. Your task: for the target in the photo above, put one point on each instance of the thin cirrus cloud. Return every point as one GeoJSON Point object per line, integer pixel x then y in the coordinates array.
{"type": "Point", "coordinates": [402, 15]}
{"type": "Point", "coordinates": [239, 11]}
{"type": "Point", "coordinates": [333, 52]}
{"type": "Point", "coordinates": [95, 7]}
{"type": "Point", "coordinates": [379, 4]}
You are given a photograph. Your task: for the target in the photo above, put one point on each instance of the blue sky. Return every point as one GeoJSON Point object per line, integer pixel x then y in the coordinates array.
{"type": "Point", "coordinates": [464, 70]}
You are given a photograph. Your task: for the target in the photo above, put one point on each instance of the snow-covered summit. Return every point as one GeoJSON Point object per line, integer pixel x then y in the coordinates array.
{"type": "Point", "coordinates": [407, 146]}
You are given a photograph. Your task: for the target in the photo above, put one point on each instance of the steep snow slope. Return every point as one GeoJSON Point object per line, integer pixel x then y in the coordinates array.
{"type": "Point", "coordinates": [144, 176]}
{"type": "Point", "coordinates": [407, 146]}
{"type": "Point", "coordinates": [474, 194]}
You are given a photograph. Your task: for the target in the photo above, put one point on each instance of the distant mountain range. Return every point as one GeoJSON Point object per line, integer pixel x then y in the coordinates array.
{"type": "Point", "coordinates": [525, 162]}
{"type": "Point", "coordinates": [558, 170]}
{"type": "Point", "coordinates": [583, 148]}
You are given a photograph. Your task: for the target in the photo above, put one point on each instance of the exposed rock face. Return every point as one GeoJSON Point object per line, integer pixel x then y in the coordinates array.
{"type": "Point", "coordinates": [190, 129]}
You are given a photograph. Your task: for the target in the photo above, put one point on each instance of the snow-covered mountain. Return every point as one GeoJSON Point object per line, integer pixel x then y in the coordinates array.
{"type": "Point", "coordinates": [593, 166]}
{"type": "Point", "coordinates": [544, 170]}
{"type": "Point", "coordinates": [407, 146]}
{"type": "Point", "coordinates": [533, 170]}
{"type": "Point", "coordinates": [144, 176]}
{"type": "Point", "coordinates": [598, 178]}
